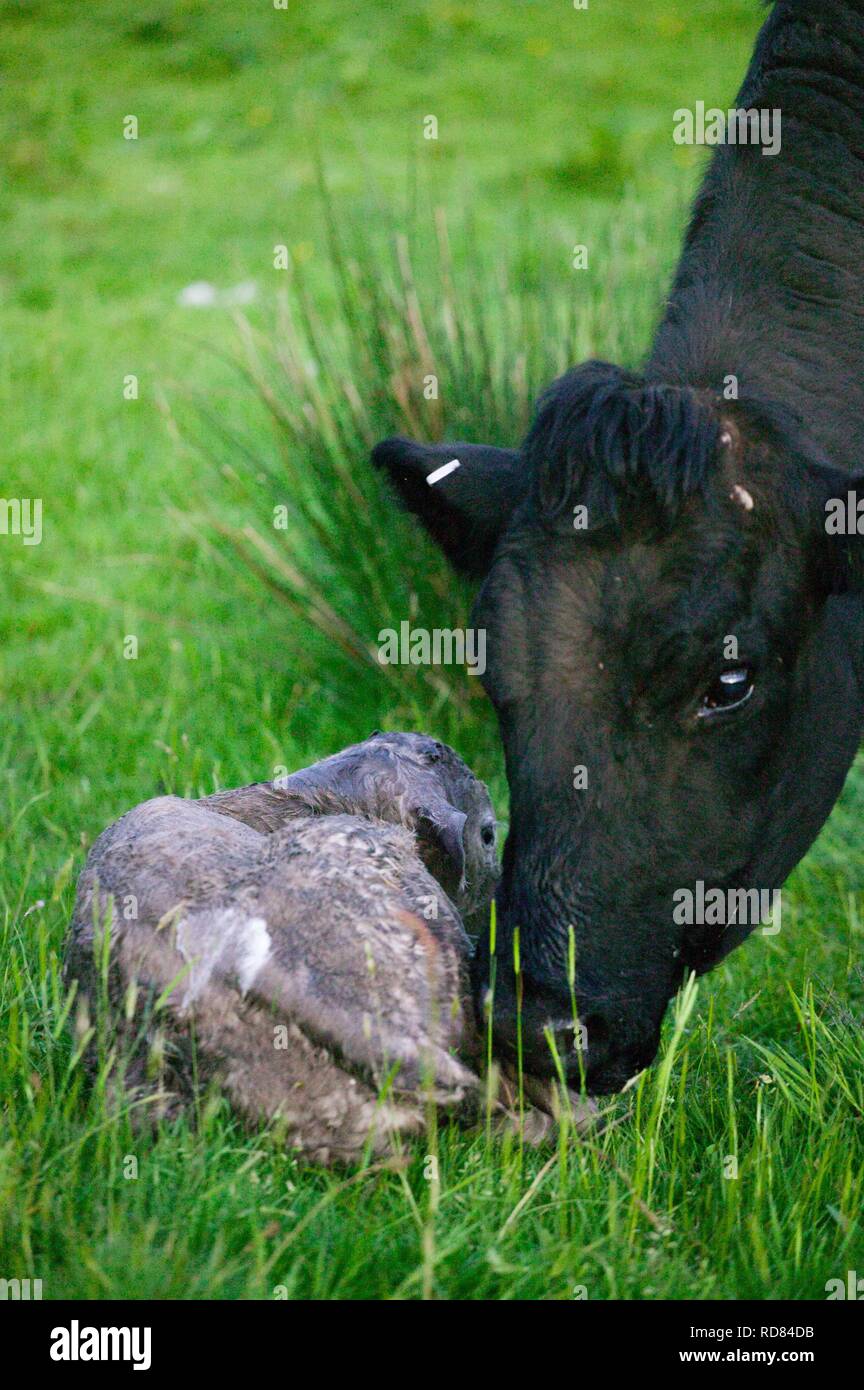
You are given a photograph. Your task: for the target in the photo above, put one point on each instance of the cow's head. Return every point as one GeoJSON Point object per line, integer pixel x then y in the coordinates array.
{"type": "Point", "coordinates": [675, 650]}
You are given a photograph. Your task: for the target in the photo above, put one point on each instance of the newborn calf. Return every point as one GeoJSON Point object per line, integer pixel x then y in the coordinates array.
{"type": "Point", "coordinates": [306, 934]}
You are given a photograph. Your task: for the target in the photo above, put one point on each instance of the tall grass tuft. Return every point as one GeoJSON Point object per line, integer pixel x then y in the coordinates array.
{"type": "Point", "coordinates": [412, 342]}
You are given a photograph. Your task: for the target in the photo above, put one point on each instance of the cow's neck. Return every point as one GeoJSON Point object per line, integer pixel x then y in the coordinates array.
{"type": "Point", "coordinates": [770, 288]}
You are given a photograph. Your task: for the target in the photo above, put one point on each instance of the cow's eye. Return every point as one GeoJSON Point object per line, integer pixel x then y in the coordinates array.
{"type": "Point", "coordinates": [731, 689]}
{"type": "Point", "coordinates": [487, 834]}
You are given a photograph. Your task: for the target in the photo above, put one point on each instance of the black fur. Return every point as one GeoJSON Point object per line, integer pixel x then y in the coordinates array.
{"type": "Point", "coordinates": [601, 434]}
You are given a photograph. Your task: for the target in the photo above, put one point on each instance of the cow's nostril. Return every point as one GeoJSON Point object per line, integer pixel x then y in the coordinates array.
{"type": "Point", "coordinates": [642, 1054]}
{"type": "Point", "coordinates": [595, 1035]}
{"type": "Point", "coordinates": [612, 1061]}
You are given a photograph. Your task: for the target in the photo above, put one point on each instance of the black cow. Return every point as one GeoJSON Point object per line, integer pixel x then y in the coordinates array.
{"type": "Point", "coordinates": [708, 761]}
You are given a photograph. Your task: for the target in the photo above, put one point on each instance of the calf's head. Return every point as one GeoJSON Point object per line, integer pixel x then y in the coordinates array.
{"type": "Point", "coordinates": [675, 651]}
{"type": "Point", "coordinates": [413, 780]}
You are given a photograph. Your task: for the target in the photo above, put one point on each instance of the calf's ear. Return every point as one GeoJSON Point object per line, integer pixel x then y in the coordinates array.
{"type": "Point", "coordinates": [439, 828]}
{"type": "Point", "coordinates": [465, 510]}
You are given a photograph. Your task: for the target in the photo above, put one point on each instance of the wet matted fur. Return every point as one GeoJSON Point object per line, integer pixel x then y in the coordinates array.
{"type": "Point", "coordinates": [287, 941]}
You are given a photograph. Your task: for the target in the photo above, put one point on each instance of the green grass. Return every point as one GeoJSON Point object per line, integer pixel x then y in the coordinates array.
{"type": "Point", "coordinates": [253, 642]}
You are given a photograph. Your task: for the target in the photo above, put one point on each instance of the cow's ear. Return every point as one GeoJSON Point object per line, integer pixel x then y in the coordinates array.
{"type": "Point", "coordinates": [839, 524]}
{"type": "Point", "coordinates": [467, 508]}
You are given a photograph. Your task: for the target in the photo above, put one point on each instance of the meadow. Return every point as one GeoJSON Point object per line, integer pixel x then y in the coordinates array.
{"type": "Point", "coordinates": [166, 635]}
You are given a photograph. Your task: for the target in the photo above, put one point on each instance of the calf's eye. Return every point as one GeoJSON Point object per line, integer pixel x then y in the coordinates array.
{"type": "Point", "coordinates": [487, 834]}
{"type": "Point", "coordinates": [730, 690]}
